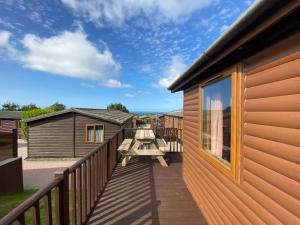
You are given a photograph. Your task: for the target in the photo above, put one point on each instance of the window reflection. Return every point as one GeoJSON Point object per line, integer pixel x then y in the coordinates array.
{"type": "Point", "coordinates": [216, 118]}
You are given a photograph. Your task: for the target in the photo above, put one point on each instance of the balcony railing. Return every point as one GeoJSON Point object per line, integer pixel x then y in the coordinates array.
{"type": "Point", "coordinates": [173, 136]}
{"type": "Point", "coordinates": [71, 196]}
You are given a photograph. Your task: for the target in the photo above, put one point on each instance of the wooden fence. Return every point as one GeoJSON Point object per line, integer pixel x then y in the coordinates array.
{"type": "Point", "coordinates": [71, 196]}
{"type": "Point", "coordinates": [173, 136]}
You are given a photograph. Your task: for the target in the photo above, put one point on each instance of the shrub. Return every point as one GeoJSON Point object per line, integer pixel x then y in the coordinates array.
{"type": "Point", "coordinates": [32, 113]}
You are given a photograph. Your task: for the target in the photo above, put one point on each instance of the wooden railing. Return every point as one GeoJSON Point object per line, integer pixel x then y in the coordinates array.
{"type": "Point", "coordinates": [71, 196]}
{"type": "Point", "coordinates": [173, 136]}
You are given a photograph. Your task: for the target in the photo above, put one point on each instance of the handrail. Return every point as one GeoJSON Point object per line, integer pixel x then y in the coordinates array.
{"type": "Point", "coordinates": [20, 209]}
{"type": "Point", "coordinates": [84, 180]}
{"type": "Point", "coordinates": [88, 155]}
{"type": "Point", "coordinates": [79, 187]}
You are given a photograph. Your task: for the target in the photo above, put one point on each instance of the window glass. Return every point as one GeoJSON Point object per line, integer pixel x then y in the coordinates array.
{"type": "Point", "coordinates": [99, 133]}
{"type": "Point", "coordinates": [216, 118]}
{"type": "Point", "coordinates": [90, 134]}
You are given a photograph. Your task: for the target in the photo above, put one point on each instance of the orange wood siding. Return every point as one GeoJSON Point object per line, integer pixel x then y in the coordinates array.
{"type": "Point", "coordinates": [269, 189]}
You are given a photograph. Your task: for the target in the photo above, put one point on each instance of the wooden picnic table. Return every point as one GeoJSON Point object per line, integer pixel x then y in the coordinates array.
{"type": "Point", "coordinates": [143, 138]}
{"type": "Point", "coordinates": [144, 135]}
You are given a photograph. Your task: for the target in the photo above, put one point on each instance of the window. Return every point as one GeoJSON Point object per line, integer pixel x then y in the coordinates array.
{"type": "Point", "coordinates": [94, 133]}
{"type": "Point", "coordinates": [216, 119]}
{"type": "Point", "coordinates": [220, 123]}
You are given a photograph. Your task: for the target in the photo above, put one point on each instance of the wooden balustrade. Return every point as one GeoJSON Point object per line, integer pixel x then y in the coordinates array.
{"type": "Point", "coordinates": [71, 196]}
{"type": "Point", "coordinates": [173, 136]}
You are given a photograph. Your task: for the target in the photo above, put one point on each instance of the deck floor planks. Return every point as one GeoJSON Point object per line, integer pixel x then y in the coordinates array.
{"type": "Point", "coordinates": [143, 192]}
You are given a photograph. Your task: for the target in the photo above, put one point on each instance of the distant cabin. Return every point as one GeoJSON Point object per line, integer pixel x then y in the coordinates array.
{"type": "Point", "coordinates": [10, 120]}
{"type": "Point", "coordinates": [241, 159]}
{"type": "Point", "coordinates": [73, 132]}
{"type": "Point", "coordinates": [173, 119]}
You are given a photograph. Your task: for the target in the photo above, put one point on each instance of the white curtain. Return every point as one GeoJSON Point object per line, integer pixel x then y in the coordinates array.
{"type": "Point", "coordinates": [217, 127]}
{"type": "Point", "coordinates": [99, 134]}
{"type": "Point", "coordinates": [90, 134]}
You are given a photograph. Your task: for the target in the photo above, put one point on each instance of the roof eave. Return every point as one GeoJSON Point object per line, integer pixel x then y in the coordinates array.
{"type": "Point", "coordinates": [252, 14]}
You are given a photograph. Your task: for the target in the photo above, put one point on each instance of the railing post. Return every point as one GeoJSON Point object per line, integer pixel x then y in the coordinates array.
{"type": "Point", "coordinates": [123, 134]}
{"type": "Point", "coordinates": [64, 197]}
{"type": "Point", "coordinates": [15, 142]}
{"type": "Point", "coordinates": [108, 159]}
{"type": "Point", "coordinates": [118, 143]}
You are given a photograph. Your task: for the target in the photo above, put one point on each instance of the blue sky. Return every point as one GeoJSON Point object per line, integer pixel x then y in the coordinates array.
{"type": "Point", "coordinates": [89, 53]}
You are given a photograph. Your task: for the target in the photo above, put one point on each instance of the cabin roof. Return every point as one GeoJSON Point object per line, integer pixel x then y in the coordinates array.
{"type": "Point", "coordinates": [177, 113]}
{"type": "Point", "coordinates": [262, 24]}
{"type": "Point", "coordinates": [113, 116]}
{"type": "Point", "coordinates": [13, 115]}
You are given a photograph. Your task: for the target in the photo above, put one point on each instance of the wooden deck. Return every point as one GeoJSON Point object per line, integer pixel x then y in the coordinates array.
{"type": "Point", "coordinates": [143, 192]}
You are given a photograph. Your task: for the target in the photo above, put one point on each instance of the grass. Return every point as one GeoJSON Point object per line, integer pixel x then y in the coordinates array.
{"type": "Point", "coordinates": [9, 202]}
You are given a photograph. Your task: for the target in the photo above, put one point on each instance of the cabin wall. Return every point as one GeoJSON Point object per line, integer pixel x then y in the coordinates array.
{"type": "Point", "coordinates": [173, 122]}
{"type": "Point", "coordinates": [65, 135]}
{"type": "Point", "coordinates": [81, 147]}
{"type": "Point", "coordinates": [269, 188]}
{"type": "Point", "coordinates": [51, 137]}
{"type": "Point", "coordinates": [8, 125]}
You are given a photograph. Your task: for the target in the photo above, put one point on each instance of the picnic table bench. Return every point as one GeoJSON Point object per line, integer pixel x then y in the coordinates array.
{"type": "Point", "coordinates": [130, 147]}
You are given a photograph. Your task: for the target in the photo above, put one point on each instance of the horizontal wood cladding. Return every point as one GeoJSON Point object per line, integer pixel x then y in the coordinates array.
{"type": "Point", "coordinates": [271, 147]}
{"type": "Point", "coordinates": [64, 135]}
{"type": "Point", "coordinates": [52, 137]}
{"type": "Point", "coordinates": [8, 125]}
{"type": "Point", "coordinates": [269, 188]}
{"type": "Point", "coordinates": [81, 147]}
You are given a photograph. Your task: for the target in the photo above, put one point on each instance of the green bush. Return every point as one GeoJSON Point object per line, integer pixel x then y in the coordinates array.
{"type": "Point", "coordinates": [32, 113]}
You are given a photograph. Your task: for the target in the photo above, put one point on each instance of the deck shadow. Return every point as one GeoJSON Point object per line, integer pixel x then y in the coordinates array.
{"type": "Point", "coordinates": [143, 192]}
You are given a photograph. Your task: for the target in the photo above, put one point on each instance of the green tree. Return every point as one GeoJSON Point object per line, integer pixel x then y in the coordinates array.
{"type": "Point", "coordinates": [29, 107]}
{"type": "Point", "coordinates": [10, 106]}
{"type": "Point", "coordinates": [57, 106]}
{"type": "Point", "coordinates": [117, 106]}
{"type": "Point", "coordinates": [32, 113]}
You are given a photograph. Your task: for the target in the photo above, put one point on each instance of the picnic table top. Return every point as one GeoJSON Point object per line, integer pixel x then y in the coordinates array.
{"type": "Point", "coordinates": [144, 135]}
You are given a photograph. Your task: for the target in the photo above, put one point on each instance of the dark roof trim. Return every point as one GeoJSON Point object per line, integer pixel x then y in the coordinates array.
{"type": "Point", "coordinates": [76, 110]}
{"type": "Point", "coordinates": [238, 34]}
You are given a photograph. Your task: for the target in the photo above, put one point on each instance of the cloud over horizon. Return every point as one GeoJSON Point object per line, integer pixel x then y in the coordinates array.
{"type": "Point", "coordinates": [68, 54]}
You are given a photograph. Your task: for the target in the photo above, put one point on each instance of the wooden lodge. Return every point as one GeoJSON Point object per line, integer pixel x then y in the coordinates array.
{"type": "Point", "coordinates": [173, 119]}
{"type": "Point", "coordinates": [10, 120]}
{"type": "Point", "coordinates": [241, 159]}
{"type": "Point", "coordinates": [73, 132]}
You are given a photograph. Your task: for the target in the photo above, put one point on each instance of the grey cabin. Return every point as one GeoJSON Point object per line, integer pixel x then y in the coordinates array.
{"type": "Point", "coordinates": [73, 132]}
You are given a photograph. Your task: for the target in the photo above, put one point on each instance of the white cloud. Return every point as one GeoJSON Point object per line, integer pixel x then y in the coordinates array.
{"type": "Point", "coordinates": [112, 83]}
{"type": "Point", "coordinates": [175, 68]}
{"type": "Point", "coordinates": [116, 11]}
{"type": "Point", "coordinates": [68, 54]}
{"type": "Point", "coordinates": [137, 94]}
{"type": "Point", "coordinates": [4, 38]}
{"type": "Point", "coordinates": [87, 85]}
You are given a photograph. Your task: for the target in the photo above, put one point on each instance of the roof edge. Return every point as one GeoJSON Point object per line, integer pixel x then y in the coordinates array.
{"type": "Point", "coordinates": [74, 110]}
{"type": "Point", "coordinates": [249, 16]}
